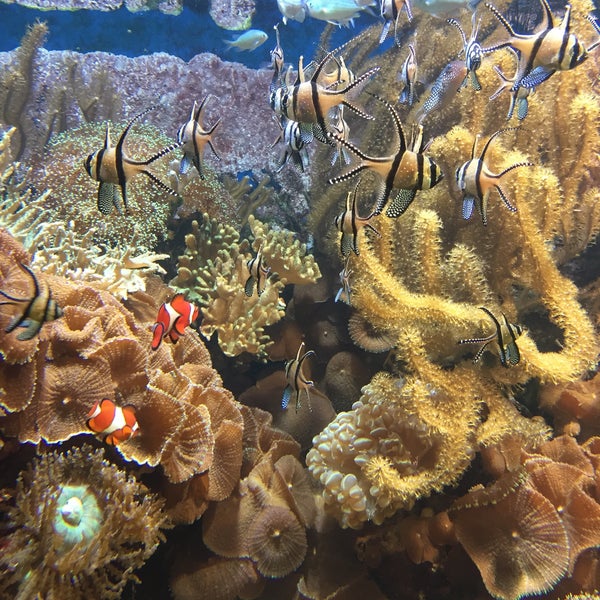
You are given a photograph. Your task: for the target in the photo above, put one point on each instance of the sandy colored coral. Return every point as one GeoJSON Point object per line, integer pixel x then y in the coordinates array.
{"type": "Point", "coordinates": [81, 526]}
{"type": "Point", "coordinates": [214, 270]}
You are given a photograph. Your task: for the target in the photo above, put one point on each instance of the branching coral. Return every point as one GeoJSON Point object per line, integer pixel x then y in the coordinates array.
{"type": "Point", "coordinates": [214, 270]}
{"type": "Point", "coordinates": [80, 527]}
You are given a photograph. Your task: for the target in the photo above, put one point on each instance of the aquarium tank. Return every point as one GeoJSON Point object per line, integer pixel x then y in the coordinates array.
{"type": "Point", "coordinates": [299, 299]}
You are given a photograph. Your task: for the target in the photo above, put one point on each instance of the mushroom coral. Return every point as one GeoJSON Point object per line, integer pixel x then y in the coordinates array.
{"type": "Point", "coordinates": [98, 349]}
{"type": "Point", "coordinates": [79, 529]}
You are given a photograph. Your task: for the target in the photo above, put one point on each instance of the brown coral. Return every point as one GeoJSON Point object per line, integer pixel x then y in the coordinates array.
{"type": "Point", "coordinates": [81, 526]}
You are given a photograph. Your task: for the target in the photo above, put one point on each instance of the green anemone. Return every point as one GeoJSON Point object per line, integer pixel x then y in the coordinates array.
{"type": "Point", "coordinates": [78, 517]}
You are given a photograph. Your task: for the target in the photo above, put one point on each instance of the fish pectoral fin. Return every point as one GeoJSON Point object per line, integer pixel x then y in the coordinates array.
{"type": "Point", "coordinates": [287, 396]}
{"type": "Point", "coordinates": [467, 207]}
{"type": "Point", "coordinates": [348, 244]}
{"type": "Point", "coordinates": [512, 354]}
{"type": "Point", "coordinates": [249, 287]}
{"type": "Point", "coordinates": [106, 193]}
{"type": "Point", "coordinates": [184, 164]}
{"type": "Point", "coordinates": [400, 203]}
{"type": "Point", "coordinates": [537, 76]}
{"type": "Point", "coordinates": [32, 328]}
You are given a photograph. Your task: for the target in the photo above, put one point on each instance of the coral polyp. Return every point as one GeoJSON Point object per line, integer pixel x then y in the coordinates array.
{"type": "Point", "coordinates": [80, 528]}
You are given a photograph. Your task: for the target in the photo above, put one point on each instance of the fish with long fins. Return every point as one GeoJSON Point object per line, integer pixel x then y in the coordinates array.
{"type": "Point", "coordinates": [390, 12]}
{"type": "Point", "coordinates": [407, 168]}
{"type": "Point", "coordinates": [349, 223]}
{"type": "Point", "coordinates": [193, 138]}
{"type": "Point", "coordinates": [297, 381]}
{"type": "Point", "coordinates": [259, 274]}
{"type": "Point", "coordinates": [475, 180]}
{"type": "Point", "coordinates": [38, 308]}
{"type": "Point", "coordinates": [472, 50]}
{"type": "Point", "coordinates": [549, 49]}
{"type": "Point", "coordinates": [505, 334]}
{"type": "Point", "coordinates": [113, 169]}
{"type": "Point", "coordinates": [308, 102]}
{"type": "Point", "coordinates": [408, 77]}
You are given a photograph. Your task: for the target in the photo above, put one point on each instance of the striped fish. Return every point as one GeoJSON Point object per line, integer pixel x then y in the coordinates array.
{"type": "Point", "coordinates": [505, 334]}
{"type": "Point", "coordinates": [408, 77]}
{"type": "Point", "coordinates": [476, 181]}
{"type": "Point", "coordinates": [193, 138]}
{"type": "Point", "coordinates": [259, 273]}
{"type": "Point", "coordinates": [308, 102]}
{"type": "Point", "coordinates": [472, 50]}
{"type": "Point", "coordinates": [551, 48]}
{"type": "Point", "coordinates": [39, 308]}
{"type": "Point", "coordinates": [296, 379]}
{"type": "Point", "coordinates": [295, 145]}
{"type": "Point", "coordinates": [115, 423]}
{"type": "Point", "coordinates": [390, 12]}
{"type": "Point", "coordinates": [406, 168]}
{"type": "Point", "coordinates": [113, 168]}
{"type": "Point", "coordinates": [349, 223]}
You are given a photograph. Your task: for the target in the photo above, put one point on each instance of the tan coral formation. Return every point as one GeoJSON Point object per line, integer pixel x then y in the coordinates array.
{"type": "Point", "coordinates": [97, 350]}
{"type": "Point", "coordinates": [57, 248]}
{"type": "Point", "coordinates": [213, 270]}
{"type": "Point", "coordinates": [80, 528]}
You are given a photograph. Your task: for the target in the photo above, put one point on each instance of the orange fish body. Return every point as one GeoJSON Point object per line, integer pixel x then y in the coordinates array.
{"type": "Point", "coordinates": [172, 319]}
{"type": "Point", "coordinates": [119, 424]}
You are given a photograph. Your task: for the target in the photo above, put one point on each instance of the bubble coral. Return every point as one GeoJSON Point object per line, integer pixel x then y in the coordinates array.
{"type": "Point", "coordinates": [80, 528]}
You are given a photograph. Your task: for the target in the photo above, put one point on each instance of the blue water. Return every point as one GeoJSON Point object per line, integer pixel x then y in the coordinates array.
{"type": "Point", "coordinates": [185, 35]}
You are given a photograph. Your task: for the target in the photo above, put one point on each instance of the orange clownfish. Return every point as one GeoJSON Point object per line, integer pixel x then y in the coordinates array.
{"type": "Point", "coordinates": [173, 317]}
{"type": "Point", "coordinates": [119, 424]}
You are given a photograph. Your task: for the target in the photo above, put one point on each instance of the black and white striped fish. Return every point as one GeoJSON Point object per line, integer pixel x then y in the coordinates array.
{"type": "Point", "coordinates": [295, 145]}
{"type": "Point", "coordinates": [297, 382]}
{"type": "Point", "coordinates": [407, 168]}
{"type": "Point", "coordinates": [476, 180]}
{"type": "Point", "coordinates": [308, 102]}
{"type": "Point", "coordinates": [349, 223]}
{"type": "Point", "coordinates": [551, 48]}
{"type": "Point", "coordinates": [259, 273]}
{"type": "Point", "coordinates": [193, 138]}
{"type": "Point", "coordinates": [472, 51]}
{"type": "Point", "coordinates": [505, 335]}
{"type": "Point", "coordinates": [39, 308]}
{"type": "Point", "coordinates": [113, 168]}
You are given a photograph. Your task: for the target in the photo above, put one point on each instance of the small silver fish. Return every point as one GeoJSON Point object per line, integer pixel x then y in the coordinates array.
{"type": "Point", "coordinates": [292, 9]}
{"type": "Point", "coordinates": [249, 40]}
{"type": "Point", "coordinates": [445, 8]}
{"type": "Point", "coordinates": [336, 12]}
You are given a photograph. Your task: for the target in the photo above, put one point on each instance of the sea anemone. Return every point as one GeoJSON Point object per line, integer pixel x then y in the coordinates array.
{"type": "Point", "coordinates": [80, 527]}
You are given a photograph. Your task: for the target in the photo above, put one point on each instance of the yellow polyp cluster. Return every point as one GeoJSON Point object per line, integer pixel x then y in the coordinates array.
{"type": "Point", "coordinates": [390, 450]}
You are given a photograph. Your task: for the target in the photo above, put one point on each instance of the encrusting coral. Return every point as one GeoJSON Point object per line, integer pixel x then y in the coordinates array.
{"type": "Point", "coordinates": [79, 529]}
{"type": "Point", "coordinates": [213, 272]}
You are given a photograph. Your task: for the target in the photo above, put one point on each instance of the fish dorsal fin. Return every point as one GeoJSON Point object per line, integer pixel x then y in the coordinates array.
{"type": "Point", "coordinates": [36, 285]}
{"type": "Point", "coordinates": [193, 113]}
{"type": "Point", "coordinates": [547, 16]}
{"type": "Point", "coordinates": [398, 123]}
{"type": "Point", "coordinates": [321, 65]}
{"type": "Point", "coordinates": [107, 143]}
{"type": "Point", "coordinates": [494, 135]}
{"type": "Point", "coordinates": [131, 122]}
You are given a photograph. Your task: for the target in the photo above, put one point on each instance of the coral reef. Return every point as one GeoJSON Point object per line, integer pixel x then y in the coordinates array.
{"type": "Point", "coordinates": [213, 272]}
{"type": "Point", "coordinates": [80, 527]}
{"type": "Point", "coordinates": [232, 14]}
{"type": "Point", "coordinates": [98, 349]}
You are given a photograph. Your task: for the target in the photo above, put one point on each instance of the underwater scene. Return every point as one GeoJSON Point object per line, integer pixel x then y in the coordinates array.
{"type": "Point", "coordinates": [299, 299]}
